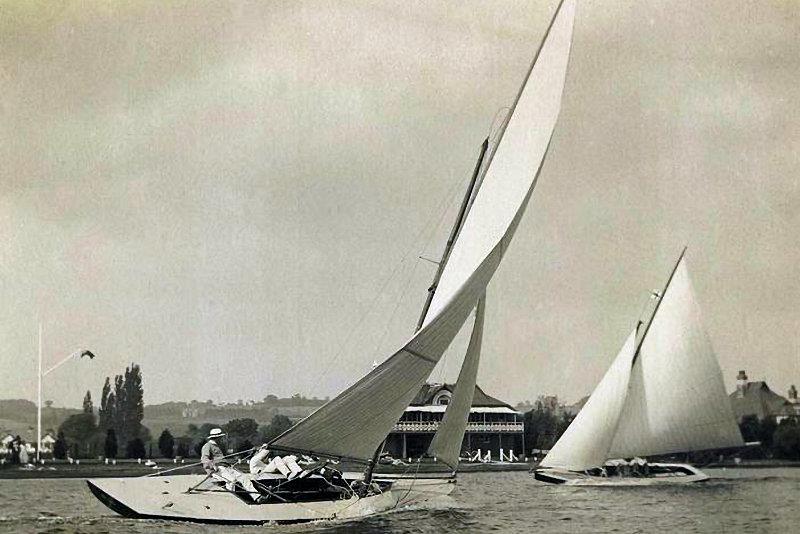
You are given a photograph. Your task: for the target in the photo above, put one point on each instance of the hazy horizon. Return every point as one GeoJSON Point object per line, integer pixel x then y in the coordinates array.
{"type": "Point", "coordinates": [229, 193]}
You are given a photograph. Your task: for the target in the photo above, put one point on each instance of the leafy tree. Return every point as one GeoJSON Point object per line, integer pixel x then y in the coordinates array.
{"type": "Point", "coordinates": [184, 448]}
{"type": "Point", "coordinates": [278, 425]}
{"type": "Point", "coordinates": [60, 446]}
{"type": "Point", "coordinates": [787, 439]}
{"type": "Point", "coordinates": [766, 432]}
{"type": "Point", "coordinates": [79, 429]}
{"type": "Point", "coordinates": [133, 407]}
{"type": "Point", "coordinates": [542, 427]}
{"type": "Point", "coordinates": [118, 412]}
{"type": "Point", "coordinates": [135, 448]}
{"type": "Point", "coordinates": [105, 413]}
{"type": "Point", "coordinates": [245, 445]}
{"type": "Point", "coordinates": [110, 445]}
{"type": "Point", "coordinates": [166, 444]}
{"type": "Point", "coordinates": [750, 428]}
{"type": "Point", "coordinates": [241, 430]}
{"type": "Point", "coordinates": [88, 407]}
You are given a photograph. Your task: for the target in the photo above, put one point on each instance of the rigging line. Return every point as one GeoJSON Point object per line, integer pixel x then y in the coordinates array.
{"type": "Point", "coordinates": [411, 486]}
{"type": "Point", "coordinates": [391, 316]}
{"type": "Point", "coordinates": [371, 306]}
{"type": "Point", "coordinates": [431, 230]}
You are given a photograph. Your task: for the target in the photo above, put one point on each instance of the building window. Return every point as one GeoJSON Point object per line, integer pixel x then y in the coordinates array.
{"type": "Point", "coordinates": [442, 398]}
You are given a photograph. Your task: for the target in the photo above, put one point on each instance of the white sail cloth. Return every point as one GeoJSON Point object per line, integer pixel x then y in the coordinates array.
{"type": "Point", "coordinates": [446, 443]}
{"type": "Point", "coordinates": [515, 161]}
{"type": "Point", "coordinates": [355, 423]}
{"type": "Point", "coordinates": [674, 398]}
{"type": "Point", "coordinates": [586, 442]}
{"type": "Point", "coordinates": [677, 399]}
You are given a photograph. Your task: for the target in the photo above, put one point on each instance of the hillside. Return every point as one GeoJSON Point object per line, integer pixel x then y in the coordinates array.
{"type": "Point", "coordinates": [18, 416]}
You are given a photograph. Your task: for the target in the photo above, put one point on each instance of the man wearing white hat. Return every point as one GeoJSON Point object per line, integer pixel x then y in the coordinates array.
{"type": "Point", "coordinates": [211, 453]}
{"type": "Point", "coordinates": [211, 457]}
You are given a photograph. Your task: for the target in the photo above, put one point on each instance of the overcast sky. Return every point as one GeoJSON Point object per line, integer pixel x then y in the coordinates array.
{"type": "Point", "coordinates": [230, 193]}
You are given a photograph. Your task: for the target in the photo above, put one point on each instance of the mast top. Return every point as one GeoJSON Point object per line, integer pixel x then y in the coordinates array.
{"type": "Point", "coordinates": [658, 305]}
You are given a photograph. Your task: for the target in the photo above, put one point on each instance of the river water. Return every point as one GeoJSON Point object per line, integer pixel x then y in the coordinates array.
{"type": "Point", "coordinates": [735, 500]}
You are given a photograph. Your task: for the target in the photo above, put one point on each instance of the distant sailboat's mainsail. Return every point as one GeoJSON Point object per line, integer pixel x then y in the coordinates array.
{"type": "Point", "coordinates": [355, 423]}
{"type": "Point", "coordinates": [586, 441]}
{"type": "Point", "coordinates": [677, 400]}
{"type": "Point", "coordinates": [446, 444]}
{"type": "Point", "coordinates": [673, 395]}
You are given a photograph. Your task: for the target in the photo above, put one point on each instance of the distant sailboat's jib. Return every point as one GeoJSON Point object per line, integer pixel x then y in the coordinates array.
{"type": "Point", "coordinates": [588, 438]}
{"type": "Point", "coordinates": [355, 423]}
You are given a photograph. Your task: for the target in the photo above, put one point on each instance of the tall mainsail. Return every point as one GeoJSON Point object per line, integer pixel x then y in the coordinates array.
{"type": "Point", "coordinates": [587, 440]}
{"type": "Point", "coordinates": [676, 400]}
{"type": "Point", "coordinates": [354, 424]}
{"type": "Point", "coordinates": [514, 164]}
{"type": "Point", "coordinates": [446, 444]}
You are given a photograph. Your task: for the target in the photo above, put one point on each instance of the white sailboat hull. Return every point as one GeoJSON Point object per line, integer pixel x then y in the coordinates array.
{"type": "Point", "coordinates": [166, 498]}
{"type": "Point", "coordinates": [671, 474]}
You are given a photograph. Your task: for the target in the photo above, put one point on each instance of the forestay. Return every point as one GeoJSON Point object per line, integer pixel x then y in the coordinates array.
{"type": "Point", "coordinates": [355, 423]}
{"type": "Point", "coordinates": [446, 444]}
{"type": "Point", "coordinates": [587, 440]}
{"type": "Point", "coordinates": [676, 400]}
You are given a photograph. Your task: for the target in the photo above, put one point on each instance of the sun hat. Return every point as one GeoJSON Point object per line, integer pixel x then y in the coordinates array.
{"type": "Point", "coordinates": [215, 433]}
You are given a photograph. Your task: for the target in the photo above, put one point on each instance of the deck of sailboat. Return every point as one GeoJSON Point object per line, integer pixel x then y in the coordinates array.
{"type": "Point", "coordinates": [169, 498]}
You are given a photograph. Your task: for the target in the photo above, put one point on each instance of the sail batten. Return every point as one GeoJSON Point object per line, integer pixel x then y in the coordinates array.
{"type": "Point", "coordinates": [354, 423]}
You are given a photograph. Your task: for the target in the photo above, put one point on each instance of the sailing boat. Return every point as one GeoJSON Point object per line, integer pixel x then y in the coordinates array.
{"type": "Point", "coordinates": [354, 425]}
{"type": "Point", "coordinates": [663, 394]}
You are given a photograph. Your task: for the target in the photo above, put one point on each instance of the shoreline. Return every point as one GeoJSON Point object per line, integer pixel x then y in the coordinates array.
{"type": "Point", "coordinates": [95, 469]}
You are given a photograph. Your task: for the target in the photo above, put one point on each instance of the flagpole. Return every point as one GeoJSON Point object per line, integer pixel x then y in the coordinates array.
{"type": "Point", "coordinates": [39, 403]}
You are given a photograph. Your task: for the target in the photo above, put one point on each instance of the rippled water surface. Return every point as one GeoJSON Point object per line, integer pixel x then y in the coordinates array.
{"type": "Point", "coordinates": [736, 500]}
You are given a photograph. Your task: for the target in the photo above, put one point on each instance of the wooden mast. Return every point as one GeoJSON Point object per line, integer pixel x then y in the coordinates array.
{"type": "Point", "coordinates": [462, 212]}
{"type": "Point", "coordinates": [658, 305]}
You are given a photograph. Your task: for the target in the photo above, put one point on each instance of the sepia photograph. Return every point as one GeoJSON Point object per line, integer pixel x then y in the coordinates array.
{"type": "Point", "coordinates": [402, 266]}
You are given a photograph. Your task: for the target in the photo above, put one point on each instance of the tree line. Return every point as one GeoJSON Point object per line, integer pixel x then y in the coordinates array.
{"type": "Point", "coordinates": [778, 440]}
{"type": "Point", "coordinates": [117, 430]}
{"type": "Point", "coordinates": [543, 427]}
{"type": "Point", "coordinates": [243, 434]}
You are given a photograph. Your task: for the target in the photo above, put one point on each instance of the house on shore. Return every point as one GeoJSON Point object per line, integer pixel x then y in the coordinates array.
{"type": "Point", "coordinates": [493, 425]}
{"type": "Point", "coordinates": [756, 398]}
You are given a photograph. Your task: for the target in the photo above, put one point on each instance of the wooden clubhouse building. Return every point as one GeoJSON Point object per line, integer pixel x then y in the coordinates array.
{"type": "Point", "coordinates": [493, 425]}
